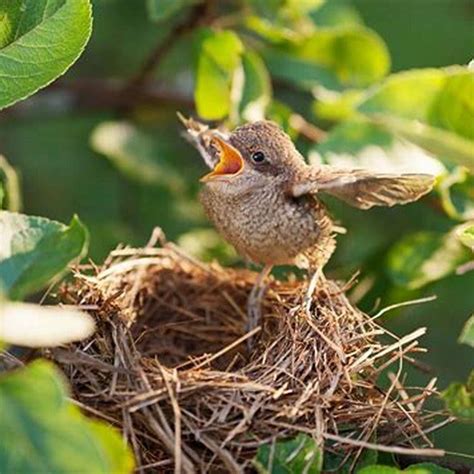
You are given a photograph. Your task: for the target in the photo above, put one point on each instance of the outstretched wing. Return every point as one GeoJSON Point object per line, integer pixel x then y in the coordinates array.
{"type": "Point", "coordinates": [363, 189]}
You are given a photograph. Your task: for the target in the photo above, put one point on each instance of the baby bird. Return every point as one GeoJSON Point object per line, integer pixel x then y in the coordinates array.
{"type": "Point", "coordinates": [264, 199]}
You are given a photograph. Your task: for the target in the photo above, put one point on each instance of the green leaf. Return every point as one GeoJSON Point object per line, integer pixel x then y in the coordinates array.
{"type": "Point", "coordinates": [135, 154]}
{"type": "Point", "coordinates": [421, 468]}
{"type": "Point", "coordinates": [33, 250]}
{"type": "Point", "coordinates": [159, 10]}
{"type": "Point", "coordinates": [459, 399]}
{"type": "Point", "coordinates": [10, 196]}
{"type": "Point", "coordinates": [39, 41]}
{"type": "Point", "coordinates": [32, 325]}
{"type": "Point", "coordinates": [257, 90]}
{"type": "Point", "coordinates": [360, 144]}
{"type": "Point", "coordinates": [431, 107]}
{"type": "Point", "coordinates": [219, 58]}
{"type": "Point", "coordinates": [43, 432]}
{"type": "Point", "coordinates": [465, 234]}
{"type": "Point", "coordinates": [207, 245]}
{"type": "Point", "coordinates": [457, 194]}
{"type": "Point", "coordinates": [423, 257]}
{"type": "Point", "coordinates": [467, 334]}
{"type": "Point", "coordinates": [300, 454]}
{"type": "Point", "coordinates": [335, 58]}
{"type": "Point", "coordinates": [333, 463]}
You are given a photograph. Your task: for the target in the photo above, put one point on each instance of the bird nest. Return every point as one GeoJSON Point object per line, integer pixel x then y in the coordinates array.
{"type": "Point", "coordinates": [170, 366]}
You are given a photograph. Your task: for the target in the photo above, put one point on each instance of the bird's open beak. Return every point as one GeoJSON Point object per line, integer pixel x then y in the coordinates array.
{"type": "Point", "coordinates": [230, 163]}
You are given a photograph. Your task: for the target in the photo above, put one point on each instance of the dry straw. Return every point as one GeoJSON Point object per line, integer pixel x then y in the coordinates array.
{"type": "Point", "coordinates": [169, 366]}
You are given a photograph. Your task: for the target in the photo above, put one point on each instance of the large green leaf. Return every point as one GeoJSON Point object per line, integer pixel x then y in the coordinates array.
{"type": "Point", "coordinates": [159, 10]}
{"type": "Point", "coordinates": [219, 58]}
{"type": "Point", "coordinates": [335, 58]}
{"type": "Point", "coordinates": [457, 194]}
{"type": "Point", "coordinates": [424, 257]}
{"type": "Point", "coordinates": [10, 195]}
{"type": "Point", "coordinates": [300, 454]}
{"type": "Point", "coordinates": [33, 250]}
{"type": "Point", "coordinates": [431, 107]}
{"type": "Point", "coordinates": [257, 90]}
{"type": "Point", "coordinates": [43, 432]}
{"type": "Point", "coordinates": [459, 399]}
{"type": "Point", "coordinates": [39, 41]}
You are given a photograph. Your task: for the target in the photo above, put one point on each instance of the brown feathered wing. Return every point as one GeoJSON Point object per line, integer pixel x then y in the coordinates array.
{"type": "Point", "coordinates": [363, 189]}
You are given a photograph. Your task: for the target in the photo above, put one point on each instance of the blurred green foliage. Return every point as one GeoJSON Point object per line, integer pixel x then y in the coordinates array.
{"type": "Point", "coordinates": [104, 141]}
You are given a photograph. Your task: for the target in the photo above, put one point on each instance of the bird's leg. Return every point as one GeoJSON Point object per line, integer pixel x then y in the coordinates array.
{"type": "Point", "coordinates": [254, 302]}
{"type": "Point", "coordinates": [308, 297]}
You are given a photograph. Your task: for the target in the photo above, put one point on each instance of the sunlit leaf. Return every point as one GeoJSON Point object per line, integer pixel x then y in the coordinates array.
{"type": "Point", "coordinates": [459, 399]}
{"type": "Point", "coordinates": [467, 334]}
{"type": "Point", "coordinates": [335, 58]}
{"type": "Point", "coordinates": [219, 58]}
{"type": "Point", "coordinates": [135, 154]}
{"type": "Point", "coordinates": [32, 325]}
{"type": "Point", "coordinates": [256, 92]}
{"type": "Point", "coordinates": [300, 454]}
{"type": "Point", "coordinates": [39, 41]}
{"type": "Point", "coordinates": [431, 107]}
{"type": "Point", "coordinates": [335, 106]}
{"type": "Point", "coordinates": [10, 195]}
{"type": "Point", "coordinates": [457, 194]}
{"type": "Point", "coordinates": [43, 432]}
{"type": "Point", "coordinates": [424, 257]}
{"type": "Point", "coordinates": [465, 234]}
{"type": "Point", "coordinates": [159, 10]}
{"type": "Point", "coordinates": [359, 144]}
{"type": "Point", "coordinates": [33, 250]}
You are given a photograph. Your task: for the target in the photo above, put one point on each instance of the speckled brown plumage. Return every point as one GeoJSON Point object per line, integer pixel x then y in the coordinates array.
{"type": "Point", "coordinates": [269, 209]}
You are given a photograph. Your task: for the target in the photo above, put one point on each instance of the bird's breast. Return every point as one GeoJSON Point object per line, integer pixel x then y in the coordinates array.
{"type": "Point", "coordinates": [265, 226]}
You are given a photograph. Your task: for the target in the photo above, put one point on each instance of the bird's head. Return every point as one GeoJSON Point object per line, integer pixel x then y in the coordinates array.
{"type": "Point", "coordinates": [255, 155]}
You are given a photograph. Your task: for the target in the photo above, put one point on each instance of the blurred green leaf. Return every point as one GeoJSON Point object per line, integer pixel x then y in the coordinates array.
{"type": "Point", "coordinates": [459, 399]}
{"type": "Point", "coordinates": [159, 10]}
{"type": "Point", "coordinates": [44, 432]}
{"type": "Point", "coordinates": [431, 107]}
{"type": "Point", "coordinates": [39, 41]}
{"type": "Point", "coordinates": [135, 154]}
{"type": "Point", "coordinates": [465, 234]}
{"type": "Point", "coordinates": [360, 144]}
{"type": "Point", "coordinates": [219, 58]}
{"type": "Point", "coordinates": [335, 58]}
{"type": "Point", "coordinates": [467, 334]}
{"type": "Point", "coordinates": [335, 106]}
{"type": "Point", "coordinates": [457, 194]}
{"type": "Point", "coordinates": [207, 245]}
{"type": "Point", "coordinates": [33, 250]}
{"type": "Point", "coordinates": [257, 89]}
{"type": "Point", "coordinates": [421, 468]}
{"type": "Point", "coordinates": [300, 454]}
{"type": "Point", "coordinates": [424, 257]}
{"type": "Point", "coordinates": [32, 325]}
{"type": "Point", "coordinates": [337, 13]}
{"type": "Point", "coordinates": [334, 462]}
{"type": "Point", "coordinates": [10, 195]}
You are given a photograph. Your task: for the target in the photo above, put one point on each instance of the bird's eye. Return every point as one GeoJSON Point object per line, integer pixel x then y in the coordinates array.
{"type": "Point", "coordinates": [258, 157]}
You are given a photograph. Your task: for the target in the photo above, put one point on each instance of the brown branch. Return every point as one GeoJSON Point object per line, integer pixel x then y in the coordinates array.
{"type": "Point", "coordinates": [198, 15]}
